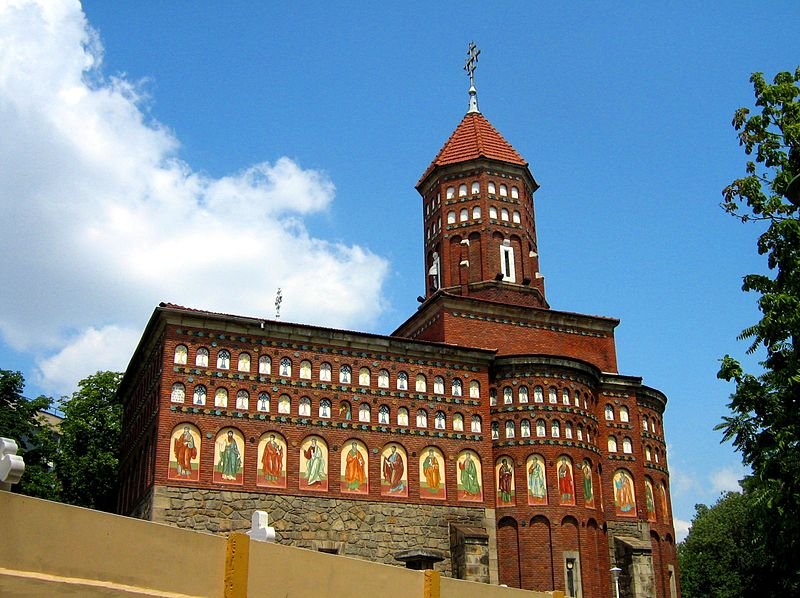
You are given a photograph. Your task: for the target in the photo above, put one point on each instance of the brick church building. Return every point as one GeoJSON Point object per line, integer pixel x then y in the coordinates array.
{"type": "Point", "coordinates": [488, 427]}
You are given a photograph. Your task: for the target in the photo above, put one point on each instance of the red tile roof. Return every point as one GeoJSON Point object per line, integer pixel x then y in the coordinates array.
{"type": "Point", "coordinates": [474, 138]}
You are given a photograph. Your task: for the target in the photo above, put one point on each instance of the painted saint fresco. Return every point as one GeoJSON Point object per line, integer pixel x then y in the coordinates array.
{"type": "Point", "coordinates": [394, 474]}
{"type": "Point", "coordinates": [354, 467]}
{"type": "Point", "coordinates": [272, 461]}
{"type": "Point", "coordinates": [468, 471]}
{"type": "Point", "coordinates": [537, 481]}
{"type": "Point", "coordinates": [229, 457]}
{"type": "Point", "coordinates": [566, 481]}
{"type": "Point", "coordinates": [650, 500]}
{"type": "Point", "coordinates": [624, 497]}
{"type": "Point", "coordinates": [504, 479]}
{"type": "Point", "coordinates": [662, 491]}
{"type": "Point", "coordinates": [184, 461]}
{"type": "Point", "coordinates": [314, 464]}
{"type": "Point", "coordinates": [431, 474]}
{"type": "Point", "coordinates": [588, 489]}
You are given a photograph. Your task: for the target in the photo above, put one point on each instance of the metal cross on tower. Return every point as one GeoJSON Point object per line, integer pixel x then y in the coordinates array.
{"type": "Point", "coordinates": [278, 301]}
{"type": "Point", "coordinates": [469, 66]}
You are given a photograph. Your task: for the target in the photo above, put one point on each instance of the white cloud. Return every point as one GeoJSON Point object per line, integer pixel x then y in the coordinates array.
{"type": "Point", "coordinates": [681, 529]}
{"type": "Point", "coordinates": [101, 220]}
{"type": "Point", "coordinates": [727, 479]}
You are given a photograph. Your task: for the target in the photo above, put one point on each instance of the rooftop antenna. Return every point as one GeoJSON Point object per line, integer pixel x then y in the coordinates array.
{"type": "Point", "coordinates": [472, 61]}
{"type": "Point", "coordinates": [278, 301]}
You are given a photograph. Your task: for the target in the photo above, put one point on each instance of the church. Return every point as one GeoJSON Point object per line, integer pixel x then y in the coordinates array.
{"type": "Point", "coordinates": [489, 430]}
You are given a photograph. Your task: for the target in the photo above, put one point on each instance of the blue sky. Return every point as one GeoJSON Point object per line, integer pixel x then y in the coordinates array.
{"type": "Point", "coordinates": [207, 154]}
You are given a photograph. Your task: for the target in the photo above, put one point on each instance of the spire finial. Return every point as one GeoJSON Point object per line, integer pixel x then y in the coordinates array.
{"type": "Point", "coordinates": [472, 60]}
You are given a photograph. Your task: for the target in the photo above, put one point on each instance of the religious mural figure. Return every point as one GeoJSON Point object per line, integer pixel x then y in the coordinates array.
{"type": "Point", "coordinates": [344, 410]}
{"type": "Point", "coordinates": [662, 491]}
{"type": "Point", "coordinates": [650, 500]}
{"type": "Point", "coordinates": [431, 482]}
{"type": "Point", "coordinates": [469, 469]}
{"type": "Point", "coordinates": [537, 486]}
{"type": "Point", "coordinates": [588, 491]}
{"type": "Point", "coordinates": [354, 469]}
{"type": "Point", "coordinates": [272, 451]}
{"type": "Point", "coordinates": [228, 464]}
{"type": "Point", "coordinates": [313, 464]}
{"type": "Point", "coordinates": [624, 499]}
{"type": "Point", "coordinates": [566, 485]}
{"type": "Point", "coordinates": [394, 472]}
{"type": "Point", "coordinates": [184, 461]}
{"type": "Point", "coordinates": [505, 483]}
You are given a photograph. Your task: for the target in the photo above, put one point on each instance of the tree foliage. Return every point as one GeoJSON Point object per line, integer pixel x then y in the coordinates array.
{"type": "Point", "coordinates": [765, 421]}
{"type": "Point", "coordinates": [20, 420]}
{"type": "Point", "coordinates": [88, 457]}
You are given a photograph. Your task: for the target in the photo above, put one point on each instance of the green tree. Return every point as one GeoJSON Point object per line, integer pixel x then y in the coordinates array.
{"type": "Point", "coordinates": [765, 421]}
{"type": "Point", "coordinates": [88, 456]}
{"type": "Point", "coordinates": [20, 420]}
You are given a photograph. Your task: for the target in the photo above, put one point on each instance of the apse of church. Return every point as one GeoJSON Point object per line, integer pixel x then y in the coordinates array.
{"type": "Point", "coordinates": [489, 426]}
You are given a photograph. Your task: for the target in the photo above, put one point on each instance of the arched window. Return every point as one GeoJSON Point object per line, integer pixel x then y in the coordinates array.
{"type": "Point", "coordinates": [422, 383]}
{"type": "Point", "coordinates": [476, 212]}
{"type": "Point", "coordinates": [475, 424]}
{"type": "Point", "coordinates": [504, 214]}
{"type": "Point", "coordinates": [325, 372]}
{"type": "Point", "coordinates": [515, 217]}
{"type": "Point", "coordinates": [402, 416]}
{"type": "Point", "coordinates": [439, 420]}
{"type": "Point", "coordinates": [456, 387]}
{"type": "Point", "coordinates": [508, 395]}
{"type": "Point", "coordinates": [201, 359]}
{"type": "Point", "coordinates": [553, 395]}
{"type": "Point", "coordinates": [514, 193]}
{"type": "Point", "coordinates": [476, 187]}
{"type": "Point", "coordinates": [503, 190]}
{"type": "Point", "coordinates": [492, 189]}
{"type": "Point", "coordinates": [474, 389]}
{"type": "Point", "coordinates": [463, 215]}
{"type": "Point", "coordinates": [242, 400]}
{"type": "Point", "coordinates": [451, 217]}
{"type": "Point", "coordinates": [493, 212]}
{"type": "Point", "coordinates": [609, 413]}
{"type": "Point", "coordinates": [462, 190]}
{"type": "Point", "coordinates": [510, 432]}
{"type": "Point", "coordinates": [577, 398]}
{"type": "Point", "coordinates": [178, 393]}
{"type": "Point", "coordinates": [345, 412]}
{"type": "Point", "coordinates": [325, 409]}
{"type": "Point", "coordinates": [402, 381]}
{"type": "Point", "coordinates": [523, 394]}
{"type": "Point", "coordinates": [623, 414]}
{"type": "Point", "coordinates": [492, 397]}
{"type": "Point", "coordinates": [223, 360]}
{"type": "Point", "coordinates": [525, 428]}
{"type": "Point", "coordinates": [383, 414]}
{"type": "Point", "coordinates": [555, 429]}
{"type": "Point", "coordinates": [495, 431]}
{"type": "Point", "coordinates": [304, 407]}
{"type": "Point", "coordinates": [541, 428]}
{"type": "Point", "coordinates": [612, 444]}
{"type": "Point", "coordinates": [627, 446]}
{"type": "Point", "coordinates": [567, 430]}
{"type": "Point", "coordinates": [364, 377]}
{"type": "Point", "coordinates": [655, 454]}
{"type": "Point", "coordinates": [305, 369]}
{"type": "Point", "coordinates": [345, 374]}
{"type": "Point", "coordinates": [588, 434]}
{"type": "Point", "coordinates": [199, 397]}
{"type": "Point", "coordinates": [422, 418]}
{"type": "Point", "coordinates": [264, 365]}
{"type": "Point", "coordinates": [438, 385]}
{"type": "Point", "coordinates": [284, 404]}
{"type": "Point", "coordinates": [648, 453]}
{"type": "Point", "coordinates": [221, 398]}
{"type": "Point", "coordinates": [244, 362]}
{"type": "Point", "coordinates": [645, 427]}
{"type": "Point", "coordinates": [263, 402]}
{"type": "Point", "coordinates": [450, 193]}
{"type": "Point", "coordinates": [364, 412]}
{"type": "Point", "coordinates": [565, 396]}
{"type": "Point", "coordinates": [286, 367]}
{"type": "Point", "coordinates": [458, 422]}
{"type": "Point", "coordinates": [181, 354]}
{"type": "Point", "coordinates": [580, 432]}
{"type": "Point", "coordinates": [383, 379]}
{"type": "Point", "coordinates": [538, 394]}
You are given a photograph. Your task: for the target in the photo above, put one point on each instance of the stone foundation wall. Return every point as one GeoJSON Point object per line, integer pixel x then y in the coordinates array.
{"type": "Point", "coordinates": [362, 529]}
